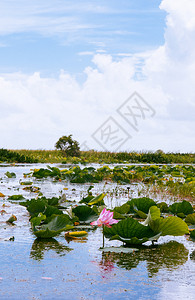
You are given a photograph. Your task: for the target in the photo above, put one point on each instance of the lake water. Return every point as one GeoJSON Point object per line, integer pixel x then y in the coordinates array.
{"type": "Point", "coordinates": [55, 269]}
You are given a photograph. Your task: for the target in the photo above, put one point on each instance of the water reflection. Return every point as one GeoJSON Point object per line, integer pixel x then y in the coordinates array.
{"type": "Point", "coordinates": [192, 256]}
{"type": "Point", "coordinates": [166, 256]}
{"type": "Point", "coordinates": [39, 247]}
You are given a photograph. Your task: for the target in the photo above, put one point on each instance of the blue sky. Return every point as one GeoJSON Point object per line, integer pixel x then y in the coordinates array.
{"type": "Point", "coordinates": [67, 67]}
{"type": "Point", "coordinates": [45, 37]}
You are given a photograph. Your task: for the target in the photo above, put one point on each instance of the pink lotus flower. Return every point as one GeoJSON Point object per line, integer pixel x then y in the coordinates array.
{"type": "Point", "coordinates": [105, 218]}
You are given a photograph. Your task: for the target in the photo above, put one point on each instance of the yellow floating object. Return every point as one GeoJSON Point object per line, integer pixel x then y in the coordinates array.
{"type": "Point", "coordinates": [2, 195]}
{"type": "Point", "coordinates": [76, 234]}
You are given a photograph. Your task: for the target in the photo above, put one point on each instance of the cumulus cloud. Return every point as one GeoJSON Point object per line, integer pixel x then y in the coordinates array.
{"type": "Point", "coordinates": [36, 111]}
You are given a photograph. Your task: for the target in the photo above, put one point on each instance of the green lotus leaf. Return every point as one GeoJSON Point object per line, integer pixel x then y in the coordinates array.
{"type": "Point", "coordinates": [141, 214]}
{"type": "Point", "coordinates": [169, 226]}
{"type": "Point", "coordinates": [129, 231]}
{"type": "Point", "coordinates": [163, 207]}
{"type": "Point", "coordinates": [10, 175]}
{"type": "Point", "coordinates": [153, 214]}
{"type": "Point", "coordinates": [192, 234]}
{"type": "Point", "coordinates": [41, 173]}
{"type": "Point", "coordinates": [26, 182]}
{"type": "Point", "coordinates": [86, 199]}
{"type": "Point", "coordinates": [16, 197]}
{"type": "Point", "coordinates": [54, 201]}
{"type": "Point", "coordinates": [142, 204]}
{"type": "Point", "coordinates": [85, 214]}
{"type": "Point", "coordinates": [54, 227]}
{"type": "Point", "coordinates": [184, 207]}
{"type": "Point", "coordinates": [52, 210]}
{"type": "Point", "coordinates": [97, 200]}
{"type": "Point", "coordinates": [118, 216]}
{"type": "Point", "coordinates": [190, 219]}
{"type": "Point", "coordinates": [34, 206]}
{"type": "Point", "coordinates": [36, 221]}
{"type": "Point", "coordinates": [123, 209]}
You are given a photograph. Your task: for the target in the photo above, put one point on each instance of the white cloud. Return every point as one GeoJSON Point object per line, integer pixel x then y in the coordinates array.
{"type": "Point", "coordinates": [86, 53]}
{"type": "Point", "coordinates": [44, 18]}
{"type": "Point", "coordinates": [36, 111]}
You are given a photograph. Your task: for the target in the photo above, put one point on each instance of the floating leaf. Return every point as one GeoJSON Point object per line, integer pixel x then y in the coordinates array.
{"type": "Point", "coordinates": [169, 226]}
{"type": "Point", "coordinates": [190, 219]}
{"type": "Point", "coordinates": [34, 206]}
{"type": "Point", "coordinates": [163, 207]}
{"type": "Point", "coordinates": [141, 214]}
{"type": "Point", "coordinates": [129, 231]}
{"type": "Point", "coordinates": [54, 227]}
{"type": "Point", "coordinates": [118, 216]}
{"type": "Point", "coordinates": [97, 200]}
{"type": "Point", "coordinates": [84, 213]}
{"type": "Point", "coordinates": [10, 175]}
{"type": "Point", "coordinates": [181, 207]}
{"type": "Point", "coordinates": [142, 204]}
{"type": "Point", "coordinates": [37, 220]}
{"type": "Point", "coordinates": [123, 209]}
{"type": "Point", "coordinates": [12, 219]}
{"type": "Point", "coordinates": [26, 182]}
{"type": "Point", "coordinates": [2, 195]}
{"type": "Point", "coordinates": [153, 214]}
{"type": "Point", "coordinates": [192, 234]}
{"type": "Point", "coordinates": [16, 197]}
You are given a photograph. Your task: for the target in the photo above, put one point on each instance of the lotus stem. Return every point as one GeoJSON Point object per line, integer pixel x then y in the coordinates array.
{"type": "Point", "coordinates": [103, 234]}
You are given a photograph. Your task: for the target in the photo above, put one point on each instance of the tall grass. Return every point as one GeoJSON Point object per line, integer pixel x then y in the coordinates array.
{"type": "Point", "coordinates": [158, 157]}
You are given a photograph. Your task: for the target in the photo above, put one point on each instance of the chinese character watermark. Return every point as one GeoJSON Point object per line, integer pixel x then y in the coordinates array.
{"type": "Point", "coordinates": [134, 109]}
{"type": "Point", "coordinates": [111, 135]}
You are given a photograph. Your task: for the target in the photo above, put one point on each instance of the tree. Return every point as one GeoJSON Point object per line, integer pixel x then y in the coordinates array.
{"type": "Point", "coordinates": [68, 146]}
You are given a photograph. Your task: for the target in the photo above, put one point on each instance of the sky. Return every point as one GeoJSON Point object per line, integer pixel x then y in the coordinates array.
{"type": "Point", "coordinates": [117, 75]}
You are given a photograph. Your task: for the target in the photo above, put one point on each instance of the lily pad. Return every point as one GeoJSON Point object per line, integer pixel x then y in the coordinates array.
{"type": "Point", "coordinates": [192, 234]}
{"type": "Point", "coordinates": [130, 231]}
{"type": "Point", "coordinates": [16, 197]}
{"type": "Point", "coordinates": [190, 219]}
{"type": "Point", "coordinates": [85, 214]}
{"type": "Point", "coordinates": [97, 200]}
{"type": "Point", "coordinates": [54, 227]}
{"type": "Point", "coordinates": [169, 226]}
{"type": "Point", "coordinates": [142, 204]}
{"type": "Point", "coordinates": [183, 208]}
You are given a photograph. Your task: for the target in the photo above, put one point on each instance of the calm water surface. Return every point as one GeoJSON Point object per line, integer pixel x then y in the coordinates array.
{"type": "Point", "coordinates": [55, 269]}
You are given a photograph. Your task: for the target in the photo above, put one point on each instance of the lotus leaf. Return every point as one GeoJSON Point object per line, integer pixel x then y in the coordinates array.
{"type": "Point", "coordinates": [183, 207]}
{"type": "Point", "coordinates": [129, 231]}
{"type": "Point", "coordinates": [142, 204]}
{"type": "Point", "coordinates": [123, 209]}
{"type": "Point", "coordinates": [153, 214]}
{"type": "Point", "coordinates": [192, 234]}
{"type": "Point", "coordinates": [10, 175]}
{"type": "Point", "coordinates": [190, 219]}
{"type": "Point", "coordinates": [118, 216]}
{"type": "Point", "coordinates": [169, 226]}
{"type": "Point", "coordinates": [54, 227]}
{"type": "Point", "coordinates": [16, 197]}
{"type": "Point", "coordinates": [85, 214]}
{"type": "Point", "coordinates": [97, 200]}
{"type": "Point", "coordinates": [163, 207]}
{"type": "Point", "coordinates": [36, 221]}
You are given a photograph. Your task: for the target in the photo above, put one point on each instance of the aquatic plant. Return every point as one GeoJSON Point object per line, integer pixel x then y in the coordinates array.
{"type": "Point", "coordinates": [105, 219]}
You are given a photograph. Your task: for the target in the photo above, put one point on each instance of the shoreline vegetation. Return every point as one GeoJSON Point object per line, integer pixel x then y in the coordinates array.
{"type": "Point", "coordinates": [92, 156]}
{"type": "Point", "coordinates": [169, 173]}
